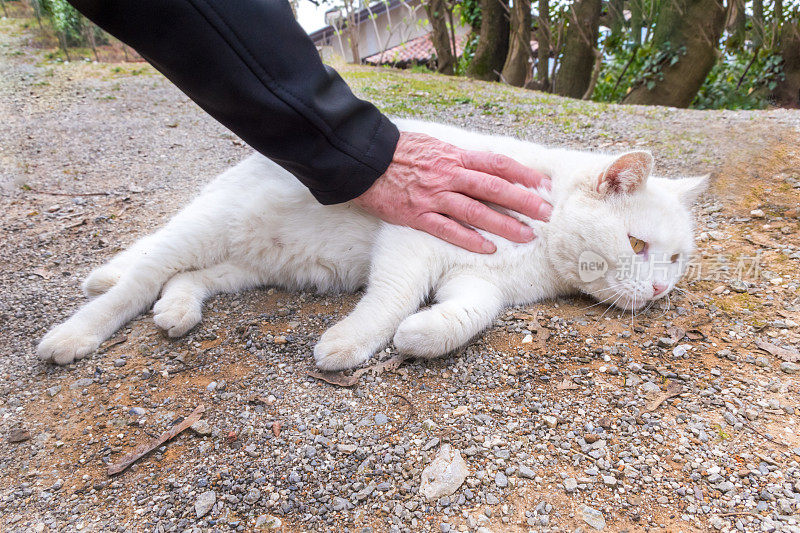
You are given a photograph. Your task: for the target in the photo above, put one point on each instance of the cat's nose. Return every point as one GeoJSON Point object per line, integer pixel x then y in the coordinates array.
{"type": "Point", "coordinates": [659, 288]}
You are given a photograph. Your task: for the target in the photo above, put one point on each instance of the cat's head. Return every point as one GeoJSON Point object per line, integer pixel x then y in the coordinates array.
{"type": "Point", "coordinates": [623, 236]}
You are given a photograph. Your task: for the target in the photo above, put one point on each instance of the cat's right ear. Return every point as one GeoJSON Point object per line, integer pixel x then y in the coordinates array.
{"type": "Point", "coordinates": [626, 174]}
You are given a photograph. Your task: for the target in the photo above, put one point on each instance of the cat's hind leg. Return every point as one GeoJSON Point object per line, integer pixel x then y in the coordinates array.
{"type": "Point", "coordinates": [180, 307]}
{"type": "Point", "coordinates": [466, 306]}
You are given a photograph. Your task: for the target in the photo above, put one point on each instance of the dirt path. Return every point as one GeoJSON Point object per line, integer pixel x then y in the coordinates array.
{"type": "Point", "coordinates": [130, 150]}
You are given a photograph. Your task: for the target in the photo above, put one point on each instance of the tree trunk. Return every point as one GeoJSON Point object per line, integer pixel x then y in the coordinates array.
{"type": "Point", "coordinates": [352, 31]}
{"type": "Point", "coordinates": [692, 29]}
{"type": "Point", "coordinates": [758, 22]}
{"type": "Point", "coordinates": [736, 24]}
{"type": "Point", "coordinates": [637, 21]}
{"type": "Point", "coordinates": [445, 59]}
{"type": "Point", "coordinates": [492, 41]}
{"type": "Point", "coordinates": [575, 73]}
{"type": "Point", "coordinates": [543, 51]}
{"type": "Point", "coordinates": [777, 17]}
{"type": "Point", "coordinates": [616, 19]}
{"type": "Point", "coordinates": [787, 92]}
{"type": "Point", "coordinates": [518, 62]}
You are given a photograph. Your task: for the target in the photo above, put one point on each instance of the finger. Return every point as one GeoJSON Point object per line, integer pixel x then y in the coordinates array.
{"type": "Point", "coordinates": [504, 167]}
{"type": "Point", "coordinates": [476, 214]}
{"type": "Point", "coordinates": [498, 191]}
{"type": "Point", "coordinates": [451, 231]}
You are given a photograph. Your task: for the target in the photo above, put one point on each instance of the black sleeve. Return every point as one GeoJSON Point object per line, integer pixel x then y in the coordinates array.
{"type": "Point", "coordinates": [252, 67]}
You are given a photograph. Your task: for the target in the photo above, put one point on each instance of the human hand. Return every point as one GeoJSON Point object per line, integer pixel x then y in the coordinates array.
{"type": "Point", "coordinates": [434, 186]}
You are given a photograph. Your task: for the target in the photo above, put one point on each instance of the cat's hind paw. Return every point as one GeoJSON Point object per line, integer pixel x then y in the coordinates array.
{"type": "Point", "coordinates": [338, 349]}
{"type": "Point", "coordinates": [177, 314]}
{"type": "Point", "coordinates": [100, 280]}
{"type": "Point", "coordinates": [424, 334]}
{"type": "Point", "coordinates": [66, 343]}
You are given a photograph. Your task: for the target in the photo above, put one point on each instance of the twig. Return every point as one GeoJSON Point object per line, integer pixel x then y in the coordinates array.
{"type": "Point", "coordinates": [738, 513]}
{"type": "Point", "coordinates": [411, 412]}
{"type": "Point", "coordinates": [757, 432]}
{"type": "Point", "coordinates": [54, 193]}
{"type": "Point", "coordinates": [147, 447]}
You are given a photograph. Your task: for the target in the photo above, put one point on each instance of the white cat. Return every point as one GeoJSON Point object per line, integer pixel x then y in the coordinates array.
{"type": "Point", "coordinates": [614, 234]}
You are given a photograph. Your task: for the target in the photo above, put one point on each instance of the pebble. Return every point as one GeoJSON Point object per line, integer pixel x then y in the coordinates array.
{"type": "Point", "coordinates": [201, 427]}
{"type": "Point", "coordinates": [550, 421]}
{"type": "Point", "coordinates": [790, 368]}
{"type": "Point", "coordinates": [501, 480]}
{"type": "Point", "coordinates": [444, 475]}
{"type": "Point", "coordinates": [593, 517]}
{"type": "Point", "coordinates": [526, 472]}
{"type": "Point", "coordinates": [204, 503]}
{"type": "Point", "coordinates": [570, 484]}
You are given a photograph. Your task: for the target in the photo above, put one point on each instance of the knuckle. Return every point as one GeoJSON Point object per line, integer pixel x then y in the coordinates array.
{"type": "Point", "coordinates": [493, 186]}
{"type": "Point", "coordinates": [500, 162]}
{"type": "Point", "coordinates": [472, 212]}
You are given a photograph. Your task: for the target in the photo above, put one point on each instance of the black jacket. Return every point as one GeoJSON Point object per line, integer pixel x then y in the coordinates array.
{"type": "Point", "coordinates": [252, 67]}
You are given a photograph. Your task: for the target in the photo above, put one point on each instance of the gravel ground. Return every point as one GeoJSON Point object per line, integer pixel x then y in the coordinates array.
{"type": "Point", "coordinates": [555, 411]}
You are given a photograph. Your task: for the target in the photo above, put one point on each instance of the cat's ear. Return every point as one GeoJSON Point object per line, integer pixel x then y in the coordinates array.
{"type": "Point", "coordinates": [627, 173]}
{"type": "Point", "coordinates": [690, 189]}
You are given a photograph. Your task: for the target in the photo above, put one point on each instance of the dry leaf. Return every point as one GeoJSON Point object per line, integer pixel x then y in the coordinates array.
{"type": "Point", "coordinates": [787, 354]}
{"type": "Point", "coordinates": [276, 428]}
{"type": "Point", "coordinates": [342, 380]}
{"type": "Point", "coordinates": [19, 435]}
{"type": "Point", "coordinates": [673, 389]}
{"type": "Point", "coordinates": [567, 384]}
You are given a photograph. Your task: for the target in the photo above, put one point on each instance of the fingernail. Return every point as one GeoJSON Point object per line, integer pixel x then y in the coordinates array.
{"type": "Point", "coordinates": [488, 247]}
{"type": "Point", "coordinates": [527, 233]}
{"type": "Point", "coordinates": [545, 211]}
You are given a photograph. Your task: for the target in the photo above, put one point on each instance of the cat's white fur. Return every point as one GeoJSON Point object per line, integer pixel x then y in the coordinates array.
{"type": "Point", "coordinates": [257, 225]}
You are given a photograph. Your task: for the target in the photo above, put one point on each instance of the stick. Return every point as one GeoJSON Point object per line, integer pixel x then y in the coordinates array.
{"type": "Point", "coordinates": [411, 413]}
{"type": "Point", "coordinates": [147, 447]}
{"type": "Point", "coordinates": [53, 193]}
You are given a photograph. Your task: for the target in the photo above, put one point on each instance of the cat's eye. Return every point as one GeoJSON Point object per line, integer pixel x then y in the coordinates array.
{"type": "Point", "coordinates": [675, 258]}
{"type": "Point", "coordinates": [638, 245]}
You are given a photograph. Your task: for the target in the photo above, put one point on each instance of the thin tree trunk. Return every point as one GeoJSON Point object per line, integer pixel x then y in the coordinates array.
{"type": "Point", "coordinates": [736, 24]}
{"type": "Point", "coordinates": [445, 60]}
{"type": "Point", "coordinates": [490, 54]}
{"type": "Point", "coordinates": [616, 18]}
{"type": "Point", "coordinates": [517, 67]}
{"type": "Point", "coordinates": [352, 31]}
{"type": "Point", "coordinates": [777, 17]}
{"type": "Point", "coordinates": [5, 11]}
{"type": "Point", "coordinates": [758, 22]}
{"type": "Point", "coordinates": [637, 21]}
{"type": "Point", "coordinates": [598, 63]}
{"type": "Point", "coordinates": [543, 42]}
{"type": "Point", "coordinates": [575, 73]}
{"type": "Point", "coordinates": [90, 29]}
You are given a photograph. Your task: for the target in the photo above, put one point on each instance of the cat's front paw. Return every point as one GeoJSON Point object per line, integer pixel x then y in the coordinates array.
{"type": "Point", "coordinates": [424, 334]}
{"type": "Point", "coordinates": [66, 343]}
{"type": "Point", "coordinates": [339, 349]}
{"type": "Point", "coordinates": [177, 314]}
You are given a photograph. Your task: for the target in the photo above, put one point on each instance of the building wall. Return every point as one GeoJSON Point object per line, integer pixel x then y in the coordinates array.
{"type": "Point", "coordinates": [406, 21]}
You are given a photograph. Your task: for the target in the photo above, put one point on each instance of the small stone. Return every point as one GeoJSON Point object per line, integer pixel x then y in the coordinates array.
{"type": "Point", "coordinates": [201, 427]}
{"type": "Point", "coordinates": [666, 342]}
{"type": "Point", "coordinates": [267, 522]}
{"type": "Point", "coordinates": [19, 435]}
{"type": "Point", "coordinates": [790, 368]}
{"type": "Point", "coordinates": [81, 383]}
{"type": "Point", "coordinates": [118, 363]}
{"type": "Point", "coordinates": [461, 410]}
{"type": "Point", "coordinates": [204, 503]}
{"type": "Point", "coordinates": [550, 420]}
{"type": "Point", "coordinates": [570, 484]}
{"type": "Point", "coordinates": [346, 448]}
{"type": "Point", "coordinates": [526, 472]}
{"type": "Point", "coordinates": [609, 480]}
{"type": "Point", "coordinates": [52, 391]}
{"type": "Point", "coordinates": [501, 480]}
{"type": "Point", "coordinates": [381, 419]}
{"type": "Point", "coordinates": [491, 499]}
{"type": "Point", "coordinates": [279, 339]}
{"type": "Point", "coordinates": [527, 339]}
{"type": "Point", "coordinates": [593, 517]}
{"type": "Point", "coordinates": [738, 285]}
{"type": "Point", "coordinates": [444, 475]}
{"type": "Point", "coordinates": [757, 213]}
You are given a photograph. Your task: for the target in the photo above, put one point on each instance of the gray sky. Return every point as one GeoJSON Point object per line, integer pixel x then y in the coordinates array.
{"type": "Point", "coordinates": [310, 16]}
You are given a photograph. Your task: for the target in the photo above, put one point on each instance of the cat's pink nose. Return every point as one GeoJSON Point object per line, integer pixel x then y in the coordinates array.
{"type": "Point", "coordinates": [658, 288]}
